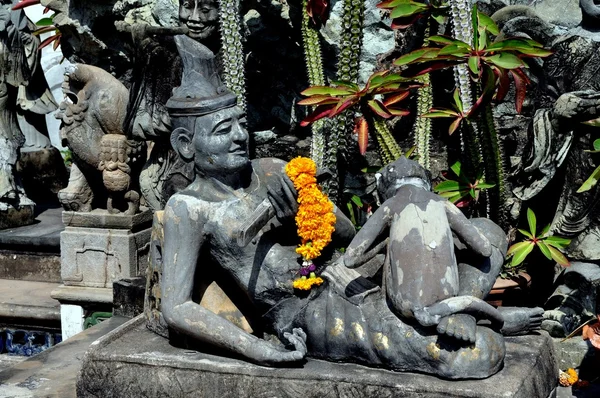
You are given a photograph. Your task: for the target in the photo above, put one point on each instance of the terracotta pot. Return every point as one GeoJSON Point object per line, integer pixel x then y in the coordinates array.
{"type": "Point", "coordinates": [511, 291]}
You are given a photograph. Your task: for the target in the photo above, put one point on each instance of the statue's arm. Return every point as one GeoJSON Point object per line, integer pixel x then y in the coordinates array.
{"type": "Point", "coordinates": [466, 231]}
{"type": "Point", "coordinates": [370, 240]}
{"type": "Point", "coordinates": [184, 238]}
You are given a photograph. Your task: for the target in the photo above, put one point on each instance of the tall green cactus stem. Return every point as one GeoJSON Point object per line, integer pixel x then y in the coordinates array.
{"type": "Point", "coordinates": [494, 167]}
{"type": "Point", "coordinates": [388, 147]}
{"type": "Point", "coordinates": [347, 69]}
{"type": "Point", "coordinates": [316, 77]}
{"type": "Point", "coordinates": [422, 126]}
{"type": "Point", "coordinates": [231, 49]}
{"type": "Point", "coordinates": [463, 30]}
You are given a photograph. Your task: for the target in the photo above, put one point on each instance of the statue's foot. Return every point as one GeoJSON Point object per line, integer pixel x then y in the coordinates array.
{"type": "Point", "coordinates": [461, 327]}
{"type": "Point", "coordinates": [520, 320]}
{"type": "Point", "coordinates": [77, 196]}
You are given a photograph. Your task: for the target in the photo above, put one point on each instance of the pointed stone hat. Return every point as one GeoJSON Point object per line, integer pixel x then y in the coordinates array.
{"type": "Point", "coordinates": [201, 91]}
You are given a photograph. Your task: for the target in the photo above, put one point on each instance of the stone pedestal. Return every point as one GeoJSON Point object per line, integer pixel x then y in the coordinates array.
{"type": "Point", "coordinates": [132, 362]}
{"type": "Point", "coordinates": [98, 248]}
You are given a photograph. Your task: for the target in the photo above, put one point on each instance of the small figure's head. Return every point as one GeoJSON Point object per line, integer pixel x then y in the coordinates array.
{"type": "Point", "coordinates": [401, 172]}
{"type": "Point", "coordinates": [201, 17]}
{"type": "Point", "coordinates": [217, 142]}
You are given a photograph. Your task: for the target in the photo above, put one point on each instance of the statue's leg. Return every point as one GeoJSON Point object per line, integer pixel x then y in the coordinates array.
{"type": "Point", "coordinates": [78, 195]}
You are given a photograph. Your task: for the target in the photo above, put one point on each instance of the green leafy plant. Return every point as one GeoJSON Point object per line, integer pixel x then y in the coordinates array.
{"type": "Point", "coordinates": [465, 190]}
{"type": "Point", "coordinates": [550, 246]}
{"type": "Point", "coordinates": [45, 25]}
{"type": "Point", "coordinates": [404, 13]}
{"type": "Point", "coordinates": [382, 96]}
{"type": "Point", "coordinates": [595, 176]}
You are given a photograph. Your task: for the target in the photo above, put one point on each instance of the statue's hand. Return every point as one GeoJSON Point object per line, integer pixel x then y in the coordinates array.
{"type": "Point", "coordinates": [269, 354]}
{"type": "Point", "coordinates": [282, 195]}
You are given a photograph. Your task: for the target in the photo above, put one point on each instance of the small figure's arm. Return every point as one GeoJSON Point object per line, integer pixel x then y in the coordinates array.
{"type": "Point", "coordinates": [466, 231]}
{"type": "Point", "coordinates": [184, 238]}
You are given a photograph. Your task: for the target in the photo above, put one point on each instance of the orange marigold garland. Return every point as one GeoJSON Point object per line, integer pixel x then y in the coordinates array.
{"type": "Point", "coordinates": [315, 219]}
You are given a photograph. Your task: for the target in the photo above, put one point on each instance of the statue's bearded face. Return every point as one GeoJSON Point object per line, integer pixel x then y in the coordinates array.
{"type": "Point", "coordinates": [200, 16]}
{"type": "Point", "coordinates": [221, 142]}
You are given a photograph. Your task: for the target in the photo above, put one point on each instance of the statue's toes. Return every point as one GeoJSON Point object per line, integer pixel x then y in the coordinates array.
{"type": "Point", "coordinates": [442, 327]}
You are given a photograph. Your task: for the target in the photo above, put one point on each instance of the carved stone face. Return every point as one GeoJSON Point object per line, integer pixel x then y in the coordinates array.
{"type": "Point", "coordinates": [221, 142]}
{"type": "Point", "coordinates": [200, 16]}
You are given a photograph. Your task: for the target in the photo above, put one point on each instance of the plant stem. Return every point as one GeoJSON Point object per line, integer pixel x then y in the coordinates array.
{"type": "Point", "coordinates": [231, 48]}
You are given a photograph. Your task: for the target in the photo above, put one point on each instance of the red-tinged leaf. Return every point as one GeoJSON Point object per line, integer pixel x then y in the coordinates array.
{"type": "Point", "coordinates": [488, 90]}
{"type": "Point", "coordinates": [454, 125]}
{"type": "Point", "coordinates": [438, 113]}
{"type": "Point", "coordinates": [405, 23]}
{"type": "Point", "coordinates": [319, 100]}
{"type": "Point", "coordinates": [454, 50]}
{"type": "Point", "coordinates": [521, 82]}
{"type": "Point", "coordinates": [56, 43]}
{"type": "Point", "coordinates": [407, 9]}
{"type": "Point", "coordinates": [326, 90]}
{"type": "Point", "coordinates": [416, 55]}
{"type": "Point", "coordinates": [558, 257]}
{"type": "Point", "coordinates": [558, 242]}
{"type": "Point", "coordinates": [393, 99]}
{"type": "Point", "coordinates": [390, 4]}
{"type": "Point", "coordinates": [517, 246]}
{"type": "Point", "coordinates": [48, 41]}
{"type": "Point", "coordinates": [462, 203]}
{"type": "Point", "coordinates": [362, 129]}
{"type": "Point", "coordinates": [458, 101]}
{"type": "Point", "coordinates": [521, 253]}
{"type": "Point", "coordinates": [544, 249]}
{"type": "Point", "coordinates": [343, 105]}
{"type": "Point", "coordinates": [380, 109]}
{"type": "Point", "coordinates": [429, 66]}
{"type": "Point", "coordinates": [448, 40]}
{"type": "Point", "coordinates": [350, 85]}
{"type": "Point", "coordinates": [504, 84]}
{"type": "Point", "coordinates": [320, 112]}
{"type": "Point", "coordinates": [46, 10]}
{"type": "Point", "coordinates": [318, 8]}
{"type": "Point", "coordinates": [25, 3]}
{"type": "Point", "coordinates": [398, 112]}
{"type": "Point", "coordinates": [45, 29]}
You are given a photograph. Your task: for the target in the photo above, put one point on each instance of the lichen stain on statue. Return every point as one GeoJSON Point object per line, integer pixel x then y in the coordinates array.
{"type": "Point", "coordinates": [106, 163]}
{"type": "Point", "coordinates": [24, 100]}
{"type": "Point", "coordinates": [349, 318]}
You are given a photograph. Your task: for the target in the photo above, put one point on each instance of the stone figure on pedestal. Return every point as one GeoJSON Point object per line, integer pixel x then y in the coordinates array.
{"type": "Point", "coordinates": [349, 318]}
{"type": "Point", "coordinates": [24, 99]}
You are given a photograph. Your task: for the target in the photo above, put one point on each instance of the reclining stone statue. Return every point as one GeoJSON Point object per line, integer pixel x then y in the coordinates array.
{"type": "Point", "coordinates": [429, 327]}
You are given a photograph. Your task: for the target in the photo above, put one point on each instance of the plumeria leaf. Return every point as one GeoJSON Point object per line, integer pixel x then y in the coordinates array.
{"type": "Point", "coordinates": [416, 55]}
{"type": "Point", "coordinates": [326, 90]}
{"type": "Point", "coordinates": [456, 168]}
{"type": "Point", "coordinates": [521, 82]}
{"type": "Point", "coordinates": [447, 186]}
{"type": "Point", "coordinates": [393, 99]}
{"type": "Point", "coordinates": [506, 61]}
{"type": "Point", "coordinates": [488, 23]}
{"type": "Point", "coordinates": [544, 249]}
{"type": "Point", "coordinates": [485, 185]}
{"type": "Point", "coordinates": [521, 252]}
{"type": "Point", "coordinates": [343, 105]}
{"type": "Point", "coordinates": [319, 100]}
{"type": "Point", "coordinates": [558, 242]}
{"type": "Point", "coordinates": [458, 101]}
{"type": "Point", "coordinates": [454, 50]}
{"type": "Point", "coordinates": [517, 246]}
{"type": "Point", "coordinates": [489, 87]}
{"type": "Point", "coordinates": [342, 83]}
{"type": "Point", "coordinates": [407, 9]}
{"type": "Point", "coordinates": [531, 221]}
{"type": "Point", "coordinates": [591, 181]}
{"type": "Point", "coordinates": [380, 109]}
{"type": "Point", "coordinates": [320, 112]}
{"type": "Point", "coordinates": [448, 40]}
{"type": "Point", "coordinates": [558, 257]}
{"type": "Point", "coordinates": [545, 231]}
{"type": "Point", "coordinates": [437, 113]}
{"type": "Point", "coordinates": [474, 64]}
{"type": "Point", "coordinates": [454, 125]}
{"type": "Point", "coordinates": [398, 112]}
{"type": "Point", "coordinates": [526, 233]}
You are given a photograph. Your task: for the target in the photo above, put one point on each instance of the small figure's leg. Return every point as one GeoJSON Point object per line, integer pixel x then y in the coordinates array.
{"type": "Point", "coordinates": [460, 326]}
{"type": "Point", "coordinates": [521, 320]}
{"type": "Point", "coordinates": [432, 315]}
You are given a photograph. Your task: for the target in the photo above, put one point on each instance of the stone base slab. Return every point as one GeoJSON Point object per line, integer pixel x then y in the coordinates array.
{"type": "Point", "coordinates": [101, 218]}
{"type": "Point", "coordinates": [132, 362]}
{"type": "Point", "coordinates": [96, 257]}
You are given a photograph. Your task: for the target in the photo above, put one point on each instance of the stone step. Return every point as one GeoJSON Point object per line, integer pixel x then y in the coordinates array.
{"type": "Point", "coordinates": [53, 373]}
{"type": "Point", "coordinates": [32, 252]}
{"type": "Point", "coordinates": [28, 304]}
